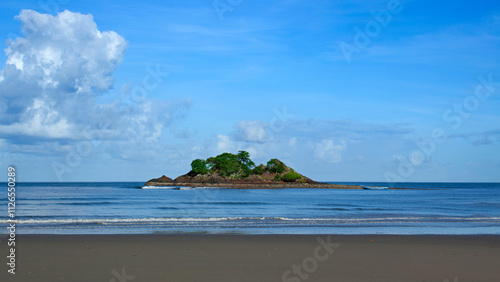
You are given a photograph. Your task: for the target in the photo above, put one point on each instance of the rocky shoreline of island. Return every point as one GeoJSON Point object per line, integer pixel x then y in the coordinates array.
{"type": "Point", "coordinates": [252, 185]}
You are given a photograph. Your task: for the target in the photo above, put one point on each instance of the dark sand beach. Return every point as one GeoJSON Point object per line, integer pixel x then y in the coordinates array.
{"type": "Point", "coordinates": [254, 258]}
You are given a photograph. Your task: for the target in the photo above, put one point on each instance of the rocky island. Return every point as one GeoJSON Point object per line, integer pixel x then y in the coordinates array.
{"type": "Point", "coordinates": [240, 172]}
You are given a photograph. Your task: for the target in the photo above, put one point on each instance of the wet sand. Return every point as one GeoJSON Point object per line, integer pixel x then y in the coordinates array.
{"type": "Point", "coordinates": [253, 258]}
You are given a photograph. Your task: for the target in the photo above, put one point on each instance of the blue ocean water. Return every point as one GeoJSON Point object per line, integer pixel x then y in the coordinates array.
{"type": "Point", "coordinates": [123, 207]}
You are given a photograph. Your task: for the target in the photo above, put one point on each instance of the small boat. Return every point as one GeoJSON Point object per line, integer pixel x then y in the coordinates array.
{"type": "Point", "coordinates": [374, 187]}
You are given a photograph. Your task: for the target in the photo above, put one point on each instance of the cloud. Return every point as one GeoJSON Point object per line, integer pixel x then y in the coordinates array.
{"type": "Point", "coordinates": [43, 122]}
{"type": "Point", "coordinates": [54, 72]}
{"type": "Point", "coordinates": [53, 76]}
{"type": "Point", "coordinates": [326, 140]}
{"type": "Point", "coordinates": [479, 138]}
{"type": "Point", "coordinates": [471, 44]}
{"type": "Point", "coordinates": [224, 144]}
{"type": "Point", "coordinates": [251, 131]}
{"type": "Point", "coordinates": [328, 151]}
{"type": "Point", "coordinates": [345, 129]}
{"type": "Point", "coordinates": [482, 141]}
{"type": "Point", "coordinates": [64, 53]}
{"type": "Point", "coordinates": [314, 129]}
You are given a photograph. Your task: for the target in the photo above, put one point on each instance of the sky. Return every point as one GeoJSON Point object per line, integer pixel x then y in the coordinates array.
{"type": "Point", "coordinates": [391, 91]}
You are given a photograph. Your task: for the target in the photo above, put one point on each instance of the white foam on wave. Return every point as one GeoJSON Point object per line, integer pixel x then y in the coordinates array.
{"type": "Point", "coordinates": [129, 220]}
{"type": "Point", "coordinates": [222, 219]}
{"type": "Point", "coordinates": [159, 187]}
{"type": "Point", "coordinates": [178, 187]}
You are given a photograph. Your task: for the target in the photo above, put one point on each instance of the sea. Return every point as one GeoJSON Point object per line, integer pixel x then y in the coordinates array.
{"type": "Point", "coordinates": [130, 208]}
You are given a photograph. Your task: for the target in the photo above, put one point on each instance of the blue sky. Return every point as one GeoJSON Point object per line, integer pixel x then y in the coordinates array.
{"type": "Point", "coordinates": [339, 90]}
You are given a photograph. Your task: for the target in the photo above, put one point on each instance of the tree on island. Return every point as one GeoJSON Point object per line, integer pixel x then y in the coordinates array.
{"type": "Point", "coordinates": [275, 166]}
{"type": "Point", "coordinates": [199, 166]}
{"type": "Point", "coordinates": [240, 166]}
{"type": "Point", "coordinates": [244, 159]}
{"type": "Point", "coordinates": [225, 164]}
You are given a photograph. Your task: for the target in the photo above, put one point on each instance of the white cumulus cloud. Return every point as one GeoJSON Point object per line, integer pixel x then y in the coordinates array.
{"type": "Point", "coordinates": [224, 144]}
{"type": "Point", "coordinates": [328, 151]}
{"type": "Point", "coordinates": [54, 72]}
{"type": "Point", "coordinates": [251, 131]}
{"type": "Point", "coordinates": [65, 52]}
{"type": "Point", "coordinates": [53, 75]}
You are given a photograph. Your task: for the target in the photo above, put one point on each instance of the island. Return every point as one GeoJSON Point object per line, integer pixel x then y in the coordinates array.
{"type": "Point", "coordinates": [238, 171]}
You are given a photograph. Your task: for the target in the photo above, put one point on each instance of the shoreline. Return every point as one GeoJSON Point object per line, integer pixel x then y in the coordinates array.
{"type": "Point", "coordinates": [194, 257]}
{"type": "Point", "coordinates": [254, 185]}
{"type": "Point", "coordinates": [270, 186]}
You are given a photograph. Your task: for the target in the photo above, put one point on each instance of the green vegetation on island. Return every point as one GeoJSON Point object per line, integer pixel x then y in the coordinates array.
{"type": "Point", "coordinates": [226, 165]}
{"type": "Point", "coordinates": [240, 166]}
{"type": "Point", "coordinates": [238, 171]}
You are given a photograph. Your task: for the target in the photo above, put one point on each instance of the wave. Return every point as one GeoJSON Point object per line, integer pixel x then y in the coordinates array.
{"type": "Point", "coordinates": [222, 203]}
{"type": "Point", "coordinates": [246, 219]}
{"type": "Point", "coordinates": [86, 203]}
{"type": "Point", "coordinates": [126, 220]}
{"type": "Point", "coordinates": [177, 187]}
{"type": "Point", "coordinates": [350, 209]}
{"type": "Point", "coordinates": [337, 205]}
{"type": "Point", "coordinates": [159, 187]}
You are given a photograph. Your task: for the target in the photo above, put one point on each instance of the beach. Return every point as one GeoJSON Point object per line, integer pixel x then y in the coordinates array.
{"type": "Point", "coordinates": [199, 257]}
{"type": "Point", "coordinates": [116, 232]}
